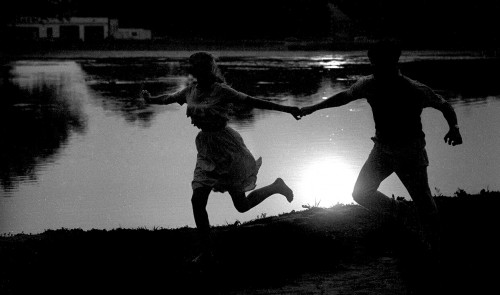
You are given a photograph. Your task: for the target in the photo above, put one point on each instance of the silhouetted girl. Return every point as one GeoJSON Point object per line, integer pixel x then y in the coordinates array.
{"type": "Point", "coordinates": [223, 162]}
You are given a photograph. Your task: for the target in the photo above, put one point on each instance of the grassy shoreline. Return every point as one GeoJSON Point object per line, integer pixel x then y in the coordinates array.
{"type": "Point", "coordinates": [264, 255]}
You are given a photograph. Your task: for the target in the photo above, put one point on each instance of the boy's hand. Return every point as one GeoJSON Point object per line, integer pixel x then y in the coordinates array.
{"type": "Point", "coordinates": [306, 111]}
{"type": "Point", "coordinates": [453, 137]}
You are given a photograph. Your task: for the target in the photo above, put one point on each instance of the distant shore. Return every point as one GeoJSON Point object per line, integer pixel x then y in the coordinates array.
{"type": "Point", "coordinates": [219, 45]}
{"type": "Point", "coordinates": [179, 49]}
{"type": "Point", "coordinates": [340, 250]}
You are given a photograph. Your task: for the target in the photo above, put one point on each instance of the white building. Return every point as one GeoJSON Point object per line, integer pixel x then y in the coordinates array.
{"type": "Point", "coordinates": [87, 29]}
{"type": "Point", "coordinates": [132, 34]}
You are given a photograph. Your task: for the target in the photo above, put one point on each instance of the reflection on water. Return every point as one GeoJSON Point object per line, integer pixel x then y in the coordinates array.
{"type": "Point", "coordinates": [131, 164]}
{"type": "Point", "coordinates": [117, 83]}
{"type": "Point", "coordinates": [39, 111]}
{"type": "Point", "coordinates": [322, 174]}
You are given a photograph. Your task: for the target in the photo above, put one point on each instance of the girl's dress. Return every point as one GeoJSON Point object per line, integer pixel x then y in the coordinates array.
{"type": "Point", "coordinates": [223, 162]}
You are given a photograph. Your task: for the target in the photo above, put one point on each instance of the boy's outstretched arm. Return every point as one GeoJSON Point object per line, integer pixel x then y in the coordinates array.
{"type": "Point", "coordinates": [436, 101]}
{"type": "Point", "coordinates": [336, 100]}
{"type": "Point", "coordinates": [453, 136]}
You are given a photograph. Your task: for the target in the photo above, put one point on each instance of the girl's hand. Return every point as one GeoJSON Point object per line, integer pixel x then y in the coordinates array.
{"type": "Point", "coordinates": [145, 95]}
{"type": "Point", "coordinates": [296, 113]}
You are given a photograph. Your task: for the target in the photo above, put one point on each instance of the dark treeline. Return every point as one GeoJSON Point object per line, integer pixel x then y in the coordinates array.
{"type": "Point", "coordinates": [223, 19]}
{"type": "Point", "coordinates": [412, 20]}
{"type": "Point", "coordinates": [428, 21]}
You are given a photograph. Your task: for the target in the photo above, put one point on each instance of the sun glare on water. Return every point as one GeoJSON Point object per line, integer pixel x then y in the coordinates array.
{"type": "Point", "coordinates": [327, 182]}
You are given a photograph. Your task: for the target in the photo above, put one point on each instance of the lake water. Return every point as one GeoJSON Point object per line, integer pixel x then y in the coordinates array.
{"type": "Point", "coordinates": [78, 151]}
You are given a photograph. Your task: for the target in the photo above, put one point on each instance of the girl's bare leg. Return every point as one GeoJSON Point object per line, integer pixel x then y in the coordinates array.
{"type": "Point", "coordinates": [199, 203]}
{"type": "Point", "coordinates": [244, 203]}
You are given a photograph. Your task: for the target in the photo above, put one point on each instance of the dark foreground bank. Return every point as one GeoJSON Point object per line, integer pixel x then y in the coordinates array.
{"type": "Point", "coordinates": [340, 250]}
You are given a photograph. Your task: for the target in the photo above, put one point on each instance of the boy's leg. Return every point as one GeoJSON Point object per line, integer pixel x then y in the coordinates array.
{"type": "Point", "coordinates": [416, 182]}
{"type": "Point", "coordinates": [244, 203]}
{"type": "Point", "coordinates": [376, 168]}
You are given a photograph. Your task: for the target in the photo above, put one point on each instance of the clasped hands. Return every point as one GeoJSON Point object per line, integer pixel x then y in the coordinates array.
{"type": "Point", "coordinates": [298, 113]}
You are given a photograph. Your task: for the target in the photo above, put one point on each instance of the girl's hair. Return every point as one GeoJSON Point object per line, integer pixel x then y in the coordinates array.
{"type": "Point", "coordinates": [205, 62]}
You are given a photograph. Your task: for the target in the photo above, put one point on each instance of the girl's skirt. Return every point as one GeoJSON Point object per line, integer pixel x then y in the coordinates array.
{"type": "Point", "coordinates": [224, 163]}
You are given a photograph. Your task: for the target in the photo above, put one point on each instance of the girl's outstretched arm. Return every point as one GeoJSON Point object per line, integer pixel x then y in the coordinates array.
{"type": "Point", "coordinates": [267, 105]}
{"type": "Point", "coordinates": [159, 99]}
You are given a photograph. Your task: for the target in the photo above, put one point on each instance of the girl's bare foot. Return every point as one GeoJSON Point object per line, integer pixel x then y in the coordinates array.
{"type": "Point", "coordinates": [284, 189]}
